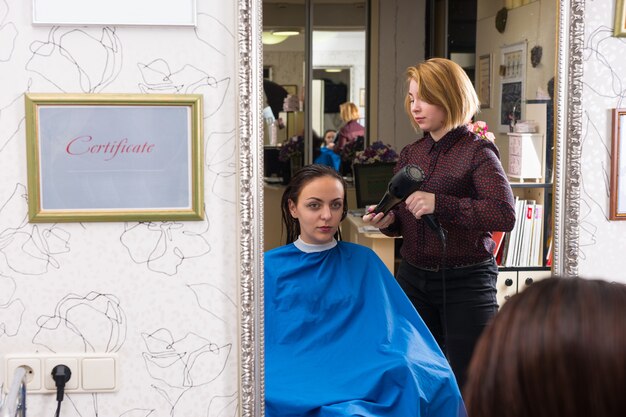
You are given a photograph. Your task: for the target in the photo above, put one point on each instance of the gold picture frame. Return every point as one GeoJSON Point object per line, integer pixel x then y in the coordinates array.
{"type": "Point", "coordinates": [114, 157]}
{"type": "Point", "coordinates": [617, 195]}
{"type": "Point", "coordinates": [619, 28]}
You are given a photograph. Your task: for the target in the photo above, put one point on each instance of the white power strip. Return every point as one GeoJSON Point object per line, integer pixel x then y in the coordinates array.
{"type": "Point", "coordinates": [91, 372]}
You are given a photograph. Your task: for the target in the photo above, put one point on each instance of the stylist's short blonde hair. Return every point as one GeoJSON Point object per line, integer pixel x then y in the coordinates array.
{"type": "Point", "coordinates": [349, 111]}
{"type": "Point", "coordinates": [444, 83]}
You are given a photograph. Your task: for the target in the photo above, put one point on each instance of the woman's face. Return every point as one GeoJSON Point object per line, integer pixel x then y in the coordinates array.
{"type": "Point", "coordinates": [429, 117]}
{"type": "Point", "coordinates": [329, 137]}
{"type": "Point", "coordinates": [319, 210]}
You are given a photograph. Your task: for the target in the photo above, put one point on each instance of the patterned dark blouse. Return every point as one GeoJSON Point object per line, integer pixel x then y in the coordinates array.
{"type": "Point", "coordinates": [472, 199]}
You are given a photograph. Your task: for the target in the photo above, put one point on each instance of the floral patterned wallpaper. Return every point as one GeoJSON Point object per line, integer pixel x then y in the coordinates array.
{"type": "Point", "coordinates": [162, 295]}
{"type": "Point", "coordinates": [602, 242]}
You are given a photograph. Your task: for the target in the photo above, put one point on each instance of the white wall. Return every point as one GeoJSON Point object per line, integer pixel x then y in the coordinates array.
{"type": "Point", "coordinates": [287, 67]}
{"type": "Point", "coordinates": [162, 295]}
{"type": "Point", "coordinates": [400, 26]}
{"type": "Point", "coordinates": [602, 242]}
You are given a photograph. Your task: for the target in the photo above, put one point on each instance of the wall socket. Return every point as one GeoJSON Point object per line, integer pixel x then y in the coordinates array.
{"type": "Point", "coordinates": [91, 372]}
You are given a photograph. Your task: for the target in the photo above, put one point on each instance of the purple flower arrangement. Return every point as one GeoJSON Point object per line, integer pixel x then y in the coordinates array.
{"type": "Point", "coordinates": [292, 147]}
{"type": "Point", "coordinates": [376, 152]}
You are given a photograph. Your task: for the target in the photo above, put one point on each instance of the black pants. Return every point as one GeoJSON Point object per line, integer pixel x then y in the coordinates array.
{"type": "Point", "coordinates": [470, 304]}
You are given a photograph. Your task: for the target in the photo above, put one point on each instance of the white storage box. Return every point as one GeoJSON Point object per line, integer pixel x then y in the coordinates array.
{"type": "Point", "coordinates": [527, 155]}
{"type": "Point", "coordinates": [526, 126]}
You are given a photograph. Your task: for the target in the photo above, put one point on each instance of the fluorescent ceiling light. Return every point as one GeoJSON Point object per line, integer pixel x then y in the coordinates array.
{"type": "Point", "coordinates": [286, 32]}
{"type": "Point", "coordinates": [269, 38]}
{"type": "Point", "coordinates": [333, 70]}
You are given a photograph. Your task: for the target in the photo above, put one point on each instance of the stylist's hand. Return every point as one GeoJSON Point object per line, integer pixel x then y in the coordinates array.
{"type": "Point", "coordinates": [420, 203]}
{"type": "Point", "coordinates": [379, 219]}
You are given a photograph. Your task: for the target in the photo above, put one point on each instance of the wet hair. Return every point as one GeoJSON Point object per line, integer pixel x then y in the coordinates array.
{"type": "Point", "coordinates": [292, 192]}
{"type": "Point", "coordinates": [444, 83]}
{"type": "Point", "coordinates": [556, 349]}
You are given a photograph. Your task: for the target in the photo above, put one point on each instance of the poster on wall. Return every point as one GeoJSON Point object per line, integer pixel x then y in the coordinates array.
{"type": "Point", "coordinates": [484, 81]}
{"type": "Point", "coordinates": [115, 12]}
{"type": "Point", "coordinates": [512, 85]}
{"type": "Point", "coordinates": [109, 157]}
{"type": "Point", "coordinates": [510, 108]}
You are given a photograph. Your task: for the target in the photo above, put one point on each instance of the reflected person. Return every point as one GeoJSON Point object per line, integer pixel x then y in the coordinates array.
{"type": "Point", "coordinates": [341, 337]}
{"type": "Point", "coordinates": [447, 268]}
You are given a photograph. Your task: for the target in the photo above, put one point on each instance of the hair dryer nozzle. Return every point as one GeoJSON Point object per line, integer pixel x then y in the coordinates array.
{"type": "Point", "coordinates": [404, 182]}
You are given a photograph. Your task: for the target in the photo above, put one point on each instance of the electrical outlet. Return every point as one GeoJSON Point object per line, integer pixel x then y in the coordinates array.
{"type": "Point", "coordinates": [91, 372]}
{"type": "Point", "coordinates": [33, 372]}
{"type": "Point", "coordinates": [49, 364]}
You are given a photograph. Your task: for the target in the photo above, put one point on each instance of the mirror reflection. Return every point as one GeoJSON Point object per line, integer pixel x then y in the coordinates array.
{"type": "Point", "coordinates": [353, 87]}
{"type": "Point", "coordinates": [472, 211]}
{"type": "Point", "coordinates": [510, 60]}
{"type": "Point", "coordinates": [332, 68]}
{"type": "Point", "coordinates": [343, 58]}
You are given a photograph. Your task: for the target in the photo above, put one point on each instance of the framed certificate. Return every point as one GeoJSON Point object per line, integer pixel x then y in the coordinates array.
{"type": "Point", "coordinates": [107, 157]}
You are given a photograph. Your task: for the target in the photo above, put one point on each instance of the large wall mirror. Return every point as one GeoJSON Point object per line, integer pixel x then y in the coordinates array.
{"type": "Point", "coordinates": [396, 33]}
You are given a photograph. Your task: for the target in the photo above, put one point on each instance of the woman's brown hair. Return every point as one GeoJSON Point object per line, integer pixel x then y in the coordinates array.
{"type": "Point", "coordinates": [556, 349]}
{"type": "Point", "coordinates": [444, 83]}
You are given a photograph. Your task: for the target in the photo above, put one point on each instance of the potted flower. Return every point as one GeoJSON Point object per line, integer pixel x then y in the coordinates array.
{"type": "Point", "coordinates": [292, 151]}
{"type": "Point", "coordinates": [376, 152]}
{"type": "Point", "coordinates": [348, 153]}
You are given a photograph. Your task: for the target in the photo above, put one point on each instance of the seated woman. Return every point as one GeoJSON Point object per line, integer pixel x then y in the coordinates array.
{"type": "Point", "coordinates": [341, 337]}
{"type": "Point", "coordinates": [326, 155]}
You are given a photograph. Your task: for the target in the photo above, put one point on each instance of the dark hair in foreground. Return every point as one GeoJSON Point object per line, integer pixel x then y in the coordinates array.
{"type": "Point", "coordinates": [292, 192]}
{"type": "Point", "coordinates": [556, 349]}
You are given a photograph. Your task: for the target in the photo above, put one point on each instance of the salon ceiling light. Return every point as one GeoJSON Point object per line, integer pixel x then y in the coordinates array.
{"type": "Point", "coordinates": [269, 38]}
{"type": "Point", "coordinates": [333, 70]}
{"type": "Point", "coordinates": [286, 32]}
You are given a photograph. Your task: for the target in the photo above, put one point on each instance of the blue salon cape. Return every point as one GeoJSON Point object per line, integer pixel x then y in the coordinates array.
{"type": "Point", "coordinates": [342, 339]}
{"type": "Point", "coordinates": [328, 157]}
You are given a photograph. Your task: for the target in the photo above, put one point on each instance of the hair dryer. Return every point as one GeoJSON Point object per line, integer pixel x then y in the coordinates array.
{"type": "Point", "coordinates": [405, 182]}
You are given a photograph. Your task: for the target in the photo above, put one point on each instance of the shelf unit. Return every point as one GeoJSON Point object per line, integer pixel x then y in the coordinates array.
{"type": "Point", "coordinates": [513, 280]}
{"type": "Point", "coordinates": [539, 188]}
{"type": "Point", "coordinates": [543, 194]}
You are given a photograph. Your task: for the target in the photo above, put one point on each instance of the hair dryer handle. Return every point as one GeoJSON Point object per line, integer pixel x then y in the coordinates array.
{"type": "Point", "coordinates": [388, 202]}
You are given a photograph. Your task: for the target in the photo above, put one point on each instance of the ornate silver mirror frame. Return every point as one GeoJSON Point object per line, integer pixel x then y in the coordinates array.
{"type": "Point", "coordinates": [250, 144]}
{"type": "Point", "coordinates": [568, 98]}
{"type": "Point", "coordinates": [568, 136]}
